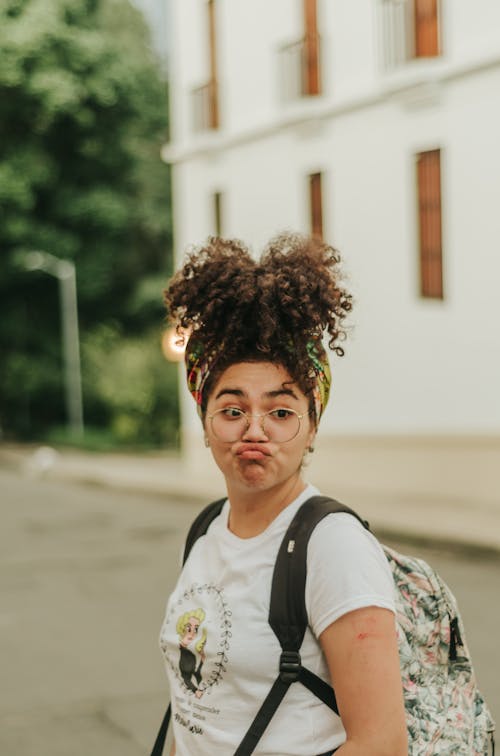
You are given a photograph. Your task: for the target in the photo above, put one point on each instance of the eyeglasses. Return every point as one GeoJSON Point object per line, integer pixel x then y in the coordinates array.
{"type": "Point", "coordinates": [279, 425]}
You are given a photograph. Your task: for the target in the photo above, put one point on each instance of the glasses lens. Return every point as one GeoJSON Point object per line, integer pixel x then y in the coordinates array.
{"type": "Point", "coordinates": [229, 424]}
{"type": "Point", "coordinates": [281, 425]}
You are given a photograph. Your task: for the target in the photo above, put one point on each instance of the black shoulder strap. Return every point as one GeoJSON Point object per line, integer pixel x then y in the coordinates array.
{"type": "Point", "coordinates": [199, 527]}
{"type": "Point", "coordinates": [162, 734]}
{"type": "Point", "coordinates": [288, 615]}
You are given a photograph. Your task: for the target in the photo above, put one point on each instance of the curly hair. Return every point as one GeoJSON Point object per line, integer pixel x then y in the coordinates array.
{"type": "Point", "coordinates": [269, 309]}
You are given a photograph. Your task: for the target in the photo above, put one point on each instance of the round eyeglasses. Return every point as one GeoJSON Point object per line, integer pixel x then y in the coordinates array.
{"type": "Point", "coordinates": [279, 425]}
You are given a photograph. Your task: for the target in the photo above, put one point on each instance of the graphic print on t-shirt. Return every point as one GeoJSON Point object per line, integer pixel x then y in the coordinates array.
{"type": "Point", "coordinates": [195, 640]}
{"type": "Point", "coordinates": [187, 628]}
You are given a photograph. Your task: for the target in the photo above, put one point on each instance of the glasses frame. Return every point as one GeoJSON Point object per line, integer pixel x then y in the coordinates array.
{"type": "Point", "coordinates": [261, 415]}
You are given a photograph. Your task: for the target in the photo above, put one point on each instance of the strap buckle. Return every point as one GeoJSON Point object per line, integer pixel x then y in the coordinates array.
{"type": "Point", "coordinates": [290, 666]}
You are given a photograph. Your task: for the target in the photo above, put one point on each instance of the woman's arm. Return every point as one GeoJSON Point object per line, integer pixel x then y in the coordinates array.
{"type": "Point", "coordinates": [172, 749]}
{"type": "Point", "coordinates": [362, 653]}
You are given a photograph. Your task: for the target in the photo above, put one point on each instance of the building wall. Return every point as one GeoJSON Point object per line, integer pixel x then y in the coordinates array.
{"type": "Point", "coordinates": [413, 366]}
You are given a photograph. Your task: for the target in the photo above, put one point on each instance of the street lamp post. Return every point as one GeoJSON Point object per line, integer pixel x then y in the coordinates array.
{"type": "Point", "coordinates": [64, 271]}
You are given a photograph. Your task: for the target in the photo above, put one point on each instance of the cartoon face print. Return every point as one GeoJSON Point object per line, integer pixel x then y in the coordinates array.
{"type": "Point", "coordinates": [190, 631]}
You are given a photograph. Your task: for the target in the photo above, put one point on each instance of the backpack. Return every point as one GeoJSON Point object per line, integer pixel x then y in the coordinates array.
{"type": "Point", "coordinates": [445, 712]}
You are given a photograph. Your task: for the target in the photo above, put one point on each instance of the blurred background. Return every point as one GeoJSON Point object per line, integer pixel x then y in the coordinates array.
{"type": "Point", "coordinates": [131, 129]}
{"type": "Point", "coordinates": [83, 115]}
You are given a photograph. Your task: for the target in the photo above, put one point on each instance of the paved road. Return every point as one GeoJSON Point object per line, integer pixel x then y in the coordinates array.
{"type": "Point", "coordinates": [84, 576]}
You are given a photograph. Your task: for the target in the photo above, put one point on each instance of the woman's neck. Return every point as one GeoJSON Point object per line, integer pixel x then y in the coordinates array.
{"type": "Point", "coordinates": [253, 511]}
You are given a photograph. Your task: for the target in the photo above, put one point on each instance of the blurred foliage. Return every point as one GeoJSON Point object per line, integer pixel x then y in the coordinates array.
{"type": "Point", "coordinates": [83, 115]}
{"type": "Point", "coordinates": [130, 382]}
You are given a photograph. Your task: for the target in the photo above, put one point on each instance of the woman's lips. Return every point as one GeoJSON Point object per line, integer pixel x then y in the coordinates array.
{"type": "Point", "coordinates": [252, 452]}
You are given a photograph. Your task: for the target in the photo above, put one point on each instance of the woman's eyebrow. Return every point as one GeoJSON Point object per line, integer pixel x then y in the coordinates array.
{"type": "Point", "coordinates": [280, 392]}
{"type": "Point", "coordinates": [231, 391]}
{"type": "Point", "coordinates": [267, 394]}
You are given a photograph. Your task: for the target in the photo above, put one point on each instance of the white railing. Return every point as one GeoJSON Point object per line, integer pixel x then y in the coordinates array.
{"type": "Point", "coordinates": [299, 68]}
{"type": "Point", "coordinates": [397, 32]}
{"type": "Point", "coordinates": [205, 107]}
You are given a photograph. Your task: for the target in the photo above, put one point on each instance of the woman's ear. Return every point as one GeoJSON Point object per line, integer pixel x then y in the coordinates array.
{"type": "Point", "coordinates": [308, 449]}
{"type": "Point", "coordinates": [311, 439]}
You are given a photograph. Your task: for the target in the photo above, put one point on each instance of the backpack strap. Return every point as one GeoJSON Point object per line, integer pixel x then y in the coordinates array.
{"type": "Point", "coordinates": [200, 525]}
{"type": "Point", "coordinates": [162, 733]}
{"type": "Point", "coordinates": [287, 612]}
{"type": "Point", "coordinates": [198, 528]}
{"type": "Point", "coordinates": [288, 615]}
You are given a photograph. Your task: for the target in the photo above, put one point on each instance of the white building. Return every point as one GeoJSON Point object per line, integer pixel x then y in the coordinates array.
{"type": "Point", "coordinates": [376, 123]}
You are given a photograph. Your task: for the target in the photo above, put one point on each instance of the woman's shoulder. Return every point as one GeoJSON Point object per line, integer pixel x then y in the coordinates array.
{"type": "Point", "coordinates": [346, 569]}
{"type": "Point", "coordinates": [342, 534]}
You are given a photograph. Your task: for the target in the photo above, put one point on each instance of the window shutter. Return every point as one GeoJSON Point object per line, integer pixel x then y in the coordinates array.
{"type": "Point", "coordinates": [311, 63]}
{"type": "Point", "coordinates": [217, 207]}
{"type": "Point", "coordinates": [430, 223]}
{"type": "Point", "coordinates": [316, 205]}
{"type": "Point", "coordinates": [213, 93]}
{"type": "Point", "coordinates": [426, 29]}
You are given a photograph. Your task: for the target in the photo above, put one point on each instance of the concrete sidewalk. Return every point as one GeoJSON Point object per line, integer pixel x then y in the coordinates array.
{"type": "Point", "coordinates": [464, 521]}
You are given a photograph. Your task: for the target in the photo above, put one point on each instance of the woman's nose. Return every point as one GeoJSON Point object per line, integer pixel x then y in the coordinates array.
{"type": "Point", "coordinates": [255, 430]}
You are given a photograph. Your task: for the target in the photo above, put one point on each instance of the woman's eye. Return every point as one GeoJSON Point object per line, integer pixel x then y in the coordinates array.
{"type": "Point", "coordinates": [281, 413]}
{"type": "Point", "coordinates": [232, 413]}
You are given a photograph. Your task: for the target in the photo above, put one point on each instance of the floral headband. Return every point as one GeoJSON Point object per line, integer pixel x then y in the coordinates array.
{"type": "Point", "coordinates": [199, 367]}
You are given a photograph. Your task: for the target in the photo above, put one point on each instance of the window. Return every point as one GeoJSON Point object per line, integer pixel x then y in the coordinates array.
{"type": "Point", "coordinates": [205, 99]}
{"type": "Point", "coordinates": [311, 84]}
{"type": "Point", "coordinates": [426, 28]}
{"type": "Point", "coordinates": [429, 224]}
{"type": "Point", "coordinates": [214, 92]}
{"type": "Point", "coordinates": [300, 61]}
{"type": "Point", "coordinates": [316, 205]}
{"type": "Point", "coordinates": [217, 213]}
{"type": "Point", "coordinates": [410, 29]}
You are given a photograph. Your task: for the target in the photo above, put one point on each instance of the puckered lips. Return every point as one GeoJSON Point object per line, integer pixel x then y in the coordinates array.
{"type": "Point", "coordinates": [255, 452]}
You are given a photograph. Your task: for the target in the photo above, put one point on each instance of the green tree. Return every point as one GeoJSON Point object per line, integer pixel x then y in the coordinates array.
{"type": "Point", "coordinates": [83, 115]}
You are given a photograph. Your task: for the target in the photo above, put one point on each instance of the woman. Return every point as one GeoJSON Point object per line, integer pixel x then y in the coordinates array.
{"type": "Point", "coordinates": [260, 377]}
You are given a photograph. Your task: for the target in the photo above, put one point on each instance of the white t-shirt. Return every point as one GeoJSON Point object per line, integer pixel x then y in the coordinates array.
{"type": "Point", "coordinates": [222, 656]}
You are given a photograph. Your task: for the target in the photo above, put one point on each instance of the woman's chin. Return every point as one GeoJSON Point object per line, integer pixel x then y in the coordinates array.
{"type": "Point", "coordinates": [251, 473]}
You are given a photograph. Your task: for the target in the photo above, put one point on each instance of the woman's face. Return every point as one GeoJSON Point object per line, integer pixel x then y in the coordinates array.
{"type": "Point", "coordinates": [256, 460]}
{"type": "Point", "coordinates": [190, 631]}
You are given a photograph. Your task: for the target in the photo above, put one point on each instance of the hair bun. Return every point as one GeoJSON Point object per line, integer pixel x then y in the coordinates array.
{"type": "Point", "coordinates": [292, 296]}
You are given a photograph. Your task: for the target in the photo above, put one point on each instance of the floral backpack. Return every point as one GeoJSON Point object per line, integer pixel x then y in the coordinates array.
{"type": "Point", "coordinates": [445, 712]}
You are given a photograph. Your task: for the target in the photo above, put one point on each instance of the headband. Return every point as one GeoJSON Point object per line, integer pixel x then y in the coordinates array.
{"type": "Point", "coordinates": [199, 366]}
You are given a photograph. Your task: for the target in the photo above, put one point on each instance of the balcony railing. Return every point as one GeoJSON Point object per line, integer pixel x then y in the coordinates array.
{"type": "Point", "coordinates": [299, 68]}
{"type": "Point", "coordinates": [397, 32]}
{"type": "Point", "coordinates": [205, 106]}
